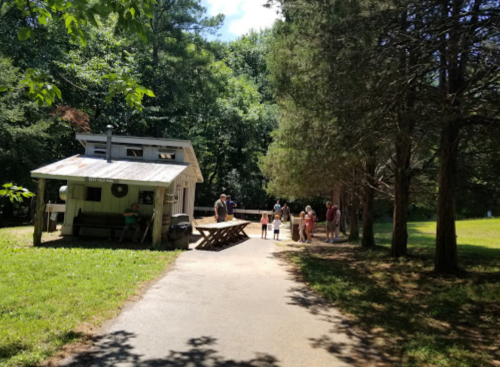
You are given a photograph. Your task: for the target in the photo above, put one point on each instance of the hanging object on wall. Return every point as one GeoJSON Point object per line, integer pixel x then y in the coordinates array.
{"type": "Point", "coordinates": [119, 190]}
{"type": "Point", "coordinates": [171, 198]}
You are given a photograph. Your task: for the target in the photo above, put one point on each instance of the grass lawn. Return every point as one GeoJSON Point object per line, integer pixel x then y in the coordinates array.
{"type": "Point", "coordinates": [417, 318]}
{"type": "Point", "coordinates": [48, 294]}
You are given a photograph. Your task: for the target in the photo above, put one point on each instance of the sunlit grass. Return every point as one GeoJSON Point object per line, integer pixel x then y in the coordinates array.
{"type": "Point", "coordinates": [48, 292]}
{"type": "Point", "coordinates": [424, 320]}
{"type": "Point", "coordinates": [479, 233]}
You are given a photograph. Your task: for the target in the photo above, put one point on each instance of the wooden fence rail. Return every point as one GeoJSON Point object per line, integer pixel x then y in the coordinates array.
{"type": "Point", "coordinates": [238, 211]}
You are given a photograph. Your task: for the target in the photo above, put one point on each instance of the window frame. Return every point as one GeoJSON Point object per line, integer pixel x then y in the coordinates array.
{"type": "Point", "coordinates": [90, 197]}
{"type": "Point", "coordinates": [171, 152]}
{"type": "Point", "coordinates": [139, 149]}
{"type": "Point", "coordinates": [139, 199]}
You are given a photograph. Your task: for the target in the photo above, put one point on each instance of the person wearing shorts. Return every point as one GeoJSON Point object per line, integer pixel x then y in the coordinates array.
{"type": "Point", "coordinates": [230, 208]}
{"type": "Point", "coordinates": [264, 221]}
{"type": "Point", "coordinates": [276, 225]}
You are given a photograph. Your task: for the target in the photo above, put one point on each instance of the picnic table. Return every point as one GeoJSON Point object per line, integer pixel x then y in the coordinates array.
{"type": "Point", "coordinates": [221, 234]}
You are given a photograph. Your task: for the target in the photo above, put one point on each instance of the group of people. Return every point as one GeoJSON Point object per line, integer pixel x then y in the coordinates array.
{"type": "Point", "coordinates": [224, 211]}
{"type": "Point", "coordinates": [224, 208]}
{"type": "Point", "coordinates": [282, 211]}
{"type": "Point", "coordinates": [264, 221]}
{"type": "Point", "coordinates": [307, 222]}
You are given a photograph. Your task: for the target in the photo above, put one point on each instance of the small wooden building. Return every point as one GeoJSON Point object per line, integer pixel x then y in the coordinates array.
{"type": "Point", "coordinates": [160, 175]}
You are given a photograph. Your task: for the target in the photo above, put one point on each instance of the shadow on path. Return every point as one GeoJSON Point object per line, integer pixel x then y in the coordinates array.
{"type": "Point", "coordinates": [417, 316]}
{"type": "Point", "coordinates": [114, 349]}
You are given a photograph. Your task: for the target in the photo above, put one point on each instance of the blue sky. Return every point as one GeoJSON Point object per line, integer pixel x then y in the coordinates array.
{"type": "Point", "coordinates": [241, 16]}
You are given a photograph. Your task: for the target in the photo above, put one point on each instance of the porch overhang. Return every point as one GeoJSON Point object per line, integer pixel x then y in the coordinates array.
{"type": "Point", "coordinates": [92, 169]}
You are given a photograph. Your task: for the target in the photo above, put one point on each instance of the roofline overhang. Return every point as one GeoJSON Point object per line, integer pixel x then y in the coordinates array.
{"type": "Point", "coordinates": [102, 180]}
{"type": "Point", "coordinates": [83, 138]}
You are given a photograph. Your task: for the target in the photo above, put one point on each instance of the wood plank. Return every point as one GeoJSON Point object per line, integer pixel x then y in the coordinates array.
{"type": "Point", "coordinates": [158, 210]}
{"type": "Point", "coordinates": [220, 234]}
{"type": "Point", "coordinates": [40, 208]}
{"type": "Point", "coordinates": [240, 211]}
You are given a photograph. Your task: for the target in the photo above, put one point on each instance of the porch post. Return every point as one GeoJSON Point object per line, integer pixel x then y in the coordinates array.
{"type": "Point", "coordinates": [157, 222]}
{"type": "Point", "coordinates": [40, 207]}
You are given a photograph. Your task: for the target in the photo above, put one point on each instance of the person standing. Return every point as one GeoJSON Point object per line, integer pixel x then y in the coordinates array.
{"type": "Point", "coordinates": [337, 221]}
{"type": "Point", "coordinates": [221, 209]}
{"type": "Point", "coordinates": [277, 208]}
{"type": "Point", "coordinates": [309, 226]}
{"type": "Point", "coordinates": [330, 222]}
{"type": "Point", "coordinates": [230, 207]}
{"type": "Point", "coordinates": [131, 222]}
{"type": "Point", "coordinates": [264, 221]}
{"type": "Point", "coordinates": [276, 224]}
{"type": "Point", "coordinates": [286, 212]}
{"type": "Point", "coordinates": [302, 226]}
{"type": "Point", "coordinates": [312, 215]}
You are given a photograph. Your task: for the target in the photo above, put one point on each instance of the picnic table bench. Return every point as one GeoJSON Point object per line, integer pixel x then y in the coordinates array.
{"type": "Point", "coordinates": [220, 234]}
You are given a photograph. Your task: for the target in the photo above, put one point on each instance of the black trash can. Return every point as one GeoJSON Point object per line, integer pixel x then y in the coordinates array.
{"type": "Point", "coordinates": [179, 231]}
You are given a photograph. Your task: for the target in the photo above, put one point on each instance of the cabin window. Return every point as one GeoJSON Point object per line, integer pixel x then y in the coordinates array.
{"type": "Point", "coordinates": [135, 152]}
{"type": "Point", "coordinates": [94, 194]}
{"type": "Point", "coordinates": [166, 154]}
{"type": "Point", "coordinates": [100, 150]}
{"type": "Point", "coordinates": [146, 197]}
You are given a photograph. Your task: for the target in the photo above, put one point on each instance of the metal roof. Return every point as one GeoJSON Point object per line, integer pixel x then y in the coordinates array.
{"type": "Point", "coordinates": [93, 169]}
{"type": "Point", "coordinates": [160, 142]}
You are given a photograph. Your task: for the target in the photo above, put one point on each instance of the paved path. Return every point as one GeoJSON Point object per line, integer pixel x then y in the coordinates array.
{"type": "Point", "coordinates": [239, 307]}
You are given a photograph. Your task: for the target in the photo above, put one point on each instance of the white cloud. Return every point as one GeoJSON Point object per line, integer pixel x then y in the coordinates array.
{"type": "Point", "coordinates": [243, 15]}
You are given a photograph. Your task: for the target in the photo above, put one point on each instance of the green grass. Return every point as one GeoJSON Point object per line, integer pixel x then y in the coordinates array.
{"type": "Point", "coordinates": [417, 318]}
{"type": "Point", "coordinates": [48, 293]}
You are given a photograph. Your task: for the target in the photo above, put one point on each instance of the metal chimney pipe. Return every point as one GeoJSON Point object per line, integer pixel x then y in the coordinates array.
{"type": "Point", "coordinates": [108, 143]}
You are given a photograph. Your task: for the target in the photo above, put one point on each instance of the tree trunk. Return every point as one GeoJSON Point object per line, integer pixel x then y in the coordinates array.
{"type": "Point", "coordinates": [158, 219]}
{"type": "Point", "coordinates": [403, 143]}
{"type": "Point", "coordinates": [399, 246]}
{"type": "Point", "coordinates": [368, 201]}
{"type": "Point", "coordinates": [343, 210]}
{"type": "Point", "coordinates": [446, 261]}
{"type": "Point", "coordinates": [40, 209]}
{"type": "Point", "coordinates": [353, 218]}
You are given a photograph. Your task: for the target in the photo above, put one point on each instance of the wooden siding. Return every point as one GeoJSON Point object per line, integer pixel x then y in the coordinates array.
{"type": "Point", "coordinates": [108, 204]}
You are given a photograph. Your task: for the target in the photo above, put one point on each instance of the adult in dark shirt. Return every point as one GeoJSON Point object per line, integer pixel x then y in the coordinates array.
{"type": "Point", "coordinates": [131, 216]}
{"type": "Point", "coordinates": [286, 212]}
{"type": "Point", "coordinates": [230, 207]}
{"type": "Point", "coordinates": [221, 209]}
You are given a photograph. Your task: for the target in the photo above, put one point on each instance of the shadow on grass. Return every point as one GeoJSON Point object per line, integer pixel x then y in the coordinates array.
{"type": "Point", "coordinates": [10, 350]}
{"type": "Point", "coordinates": [102, 243]}
{"type": "Point", "coordinates": [116, 348]}
{"type": "Point", "coordinates": [421, 319]}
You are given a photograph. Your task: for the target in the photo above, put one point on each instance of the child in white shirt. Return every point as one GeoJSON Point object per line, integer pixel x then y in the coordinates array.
{"type": "Point", "coordinates": [276, 224]}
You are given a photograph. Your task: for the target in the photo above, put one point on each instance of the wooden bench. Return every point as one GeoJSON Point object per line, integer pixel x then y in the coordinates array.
{"type": "Point", "coordinates": [221, 234]}
{"type": "Point", "coordinates": [105, 221]}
